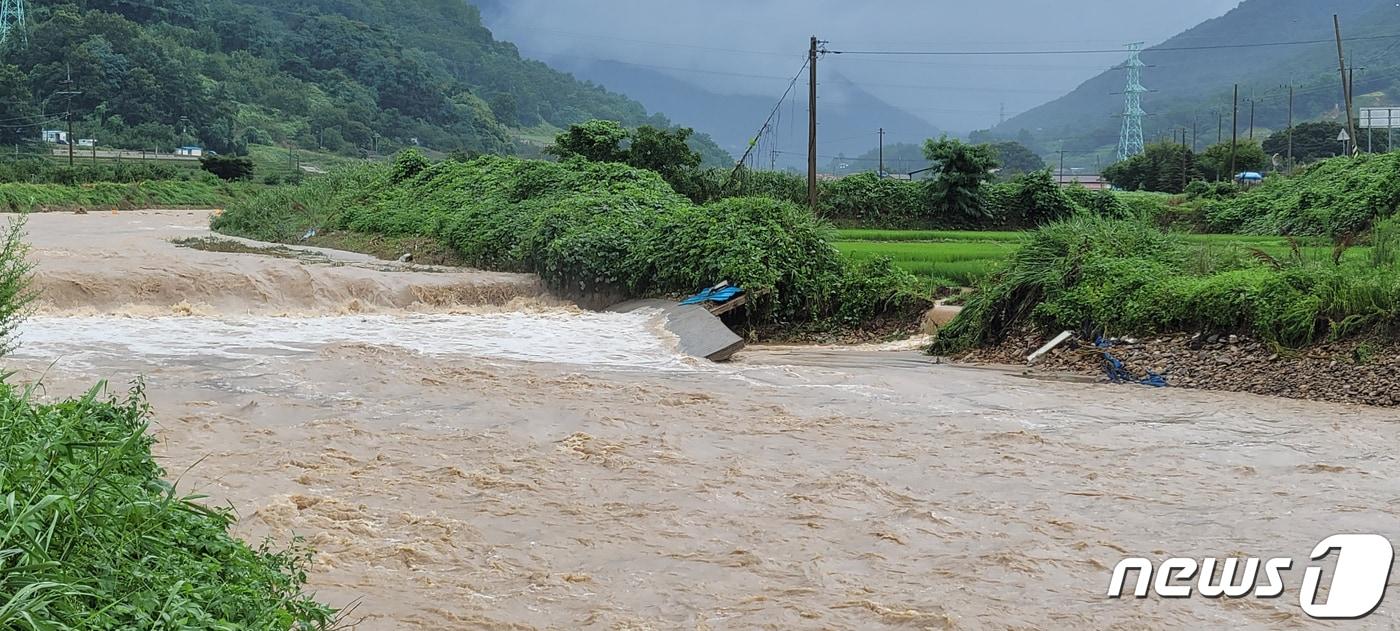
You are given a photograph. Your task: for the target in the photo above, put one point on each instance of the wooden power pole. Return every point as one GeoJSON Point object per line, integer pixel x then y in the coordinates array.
{"type": "Point", "coordinates": [1234, 131]}
{"type": "Point", "coordinates": [882, 152]}
{"type": "Point", "coordinates": [1290, 129]}
{"type": "Point", "coordinates": [1346, 85]}
{"type": "Point", "coordinates": [812, 126]}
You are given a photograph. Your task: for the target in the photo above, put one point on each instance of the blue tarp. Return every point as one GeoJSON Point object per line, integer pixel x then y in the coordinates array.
{"type": "Point", "coordinates": [718, 296]}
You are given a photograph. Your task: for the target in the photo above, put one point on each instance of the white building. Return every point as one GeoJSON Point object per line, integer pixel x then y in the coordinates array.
{"type": "Point", "coordinates": [55, 137]}
{"type": "Point", "coordinates": [190, 151]}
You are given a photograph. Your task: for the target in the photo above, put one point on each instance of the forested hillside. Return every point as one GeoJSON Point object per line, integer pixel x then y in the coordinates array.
{"type": "Point", "coordinates": [1263, 45]}
{"type": "Point", "coordinates": [347, 75]}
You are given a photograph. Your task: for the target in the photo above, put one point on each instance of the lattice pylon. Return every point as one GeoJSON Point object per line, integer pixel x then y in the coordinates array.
{"type": "Point", "coordinates": [1130, 139]}
{"type": "Point", "coordinates": [12, 25]}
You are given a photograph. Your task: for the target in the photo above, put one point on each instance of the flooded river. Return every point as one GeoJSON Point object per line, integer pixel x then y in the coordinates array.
{"type": "Point", "coordinates": [466, 454]}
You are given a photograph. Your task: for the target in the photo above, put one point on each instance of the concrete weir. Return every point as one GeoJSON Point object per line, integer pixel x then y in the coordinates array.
{"type": "Point", "coordinates": [701, 333]}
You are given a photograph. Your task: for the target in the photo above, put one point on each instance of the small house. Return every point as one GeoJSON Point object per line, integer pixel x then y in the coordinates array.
{"type": "Point", "coordinates": [55, 137]}
{"type": "Point", "coordinates": [192, 152]}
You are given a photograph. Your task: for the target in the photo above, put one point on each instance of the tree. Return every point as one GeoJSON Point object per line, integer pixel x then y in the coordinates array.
{"type": "Point", "coordinates": [663, 151]}
{"type": "Point", "coordinates": [1311, 142]}
{"type": "Point", "coordinates": [228, 168]}
{"type": "Point", "coordinates": [1016, 159]}
{"type": "Point", "coordinates": [961, 169]}
{"type": "Point", "coordinates": [1163, 167]}
{"type": "Point", "coordinates": [1249, 156]}
{"type": "Point", "coordinates": [595, 141]}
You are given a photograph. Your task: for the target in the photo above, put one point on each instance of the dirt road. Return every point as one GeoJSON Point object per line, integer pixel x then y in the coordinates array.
{"type": "Point", "coordinates": [505, 463]}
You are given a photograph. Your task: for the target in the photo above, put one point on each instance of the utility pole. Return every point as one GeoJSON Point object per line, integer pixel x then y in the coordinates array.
{"type": "Point", "coordinates": [1342, 67]}
{"type": "Point", "coordinates": [1061, 180]}
{"type": "Point", "coordinates": [882, 153]}
{"type": "Point", "coordinates": [1234, 131]}
{"type": "Point", "coordinates": [1290, 129]}
{"type": "Point", "coordinates": [1252, 101]}
{"type": "Point", "coordinates": [812, 127]}
{"type": "Point", "coordinates": [1219, 127]}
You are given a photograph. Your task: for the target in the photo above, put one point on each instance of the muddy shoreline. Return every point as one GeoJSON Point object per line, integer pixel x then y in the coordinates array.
{"type": "Point", "coordinates": [1360, 371]}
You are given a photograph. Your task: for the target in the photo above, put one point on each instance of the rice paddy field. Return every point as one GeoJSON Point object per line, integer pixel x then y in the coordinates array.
{"type": "Point", "coordinates": [953, 257]}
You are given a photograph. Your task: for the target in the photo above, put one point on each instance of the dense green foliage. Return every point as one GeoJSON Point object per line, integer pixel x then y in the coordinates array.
{"type": "Point", "coordinates": [960, 169]}
{"type": "Point", "coordinates": [589, 227]}
{"type": "Point", "coordinates": [92, 537]}
{"type": "Point", "coordinates": [228, 168]}
{"type": "Point", "coordinates": [664, 152]}
{"type": "Point", "coordinates": [111, 195]}
{"type": "Point", "coordinates": [16, 284]}
{"type": "Point", "coordinates": [1215, 161]}
{"type": "Point", "coordinates": [1311, 142]}
{"type": "Point", "coordinates": [868, 201]}
{"type": "Point", "coordinates": [1125, 277]}
{"type": "Point", "coordinates": [1164, 167]}
{"type": "Point", "coordinates": [1339, 197]}
{"type": "Point", "coordinates": [350, 76]}
{"type": "Point", "coordinates": [45, 171]}
{"type": "Point", "coordinates": [1016, 159]}
{"type": "Point", "coordinates": [1171, 168]}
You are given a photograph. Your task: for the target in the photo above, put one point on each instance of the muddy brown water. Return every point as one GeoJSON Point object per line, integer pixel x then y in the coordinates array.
{"type": "Point", "coordinates": [466, 454]}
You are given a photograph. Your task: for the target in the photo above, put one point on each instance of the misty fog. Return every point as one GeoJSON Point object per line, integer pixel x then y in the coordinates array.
{"type": "Point", "coordinates": [754, 47]}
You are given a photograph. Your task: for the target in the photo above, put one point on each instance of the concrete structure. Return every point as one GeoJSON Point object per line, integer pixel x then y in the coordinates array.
{"type": "Point", "coordinates": [55, 137]}
{"type": "Point", "coordinates": [193, 152]}
{"type": "Point", "coordinates": [1091, 182]}
{"type": "Point", "coordinates": [698, 332]}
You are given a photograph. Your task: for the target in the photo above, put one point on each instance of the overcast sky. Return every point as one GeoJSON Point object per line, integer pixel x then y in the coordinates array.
{"type": "Point", "coordinates": [756, 46]}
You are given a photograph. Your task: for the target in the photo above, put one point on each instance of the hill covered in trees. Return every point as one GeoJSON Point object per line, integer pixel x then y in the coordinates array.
{"type": "Point", "coordinates": [351, 76]}
{"type": "Point", "coordinates": [1264, 46]}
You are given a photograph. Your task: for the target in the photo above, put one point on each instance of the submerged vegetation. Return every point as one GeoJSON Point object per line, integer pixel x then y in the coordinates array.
{"type": "Point", "coordinates": [589, 227]}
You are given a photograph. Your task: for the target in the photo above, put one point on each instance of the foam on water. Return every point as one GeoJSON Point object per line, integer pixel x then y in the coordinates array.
{"type": "Point", "coordinates": [608, 340]}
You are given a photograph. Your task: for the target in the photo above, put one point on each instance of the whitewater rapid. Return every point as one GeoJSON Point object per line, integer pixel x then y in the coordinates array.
{"type": "Point", "coordinates": [464, 452]}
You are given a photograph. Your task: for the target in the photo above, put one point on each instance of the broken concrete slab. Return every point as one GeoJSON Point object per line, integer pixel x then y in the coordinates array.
{"type": "Point", "coordinates": [700, 333]}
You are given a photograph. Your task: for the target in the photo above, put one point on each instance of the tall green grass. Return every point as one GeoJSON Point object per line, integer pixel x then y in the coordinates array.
{"type": "Point", "coordinates": [16, 197]}
{"type": "Point", "coordinates": [93, 538]}
{"type": "Point", "coordinates": [1122, 277]}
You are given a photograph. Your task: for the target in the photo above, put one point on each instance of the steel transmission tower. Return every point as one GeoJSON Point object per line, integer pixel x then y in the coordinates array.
{"type": "Point", "coordinates": [12, 22]}
{"type": "Point", "coordinates": [1130, 140]}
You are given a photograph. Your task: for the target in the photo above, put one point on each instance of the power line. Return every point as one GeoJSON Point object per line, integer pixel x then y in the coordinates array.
{"type": "Point", "coordinates": [1103, 51]}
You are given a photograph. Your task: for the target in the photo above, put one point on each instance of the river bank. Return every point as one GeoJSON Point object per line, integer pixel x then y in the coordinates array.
{"type": "Point", "coordinates": [1358, 371]}
{"type": "Point", "coordinates": [522, 465]}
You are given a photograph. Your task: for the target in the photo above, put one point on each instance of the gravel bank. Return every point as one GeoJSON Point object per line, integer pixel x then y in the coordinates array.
{"type": "Point", "coordinates": [1355, 371]}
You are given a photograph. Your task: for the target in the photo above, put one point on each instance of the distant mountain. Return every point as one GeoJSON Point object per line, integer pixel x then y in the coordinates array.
{"type": "Point", "coordinates": [350, 76]}
{"type": "Point", "coordinates": [1255, 45]}
{"type": "Point", "coordinates": [849, 117]}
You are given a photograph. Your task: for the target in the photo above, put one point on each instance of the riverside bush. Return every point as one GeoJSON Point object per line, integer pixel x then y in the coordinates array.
{"type": "Point", "coordinates": [1125, 277]}
{"type": "Point", "coordinates": [588, 227]}
{"type": "Point", "coordinates": [1336, 198]}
